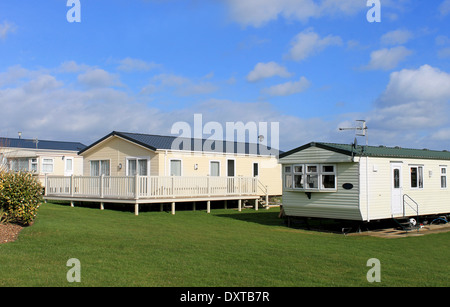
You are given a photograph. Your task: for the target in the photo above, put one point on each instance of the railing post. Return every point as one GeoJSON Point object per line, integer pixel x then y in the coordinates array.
{"type": "Point", "coordinates": [136, 186]}
{"type": "Point", "coordinates": [46, 185]}
{"type": "Point", "coordinates": [72, 186]}
{"type": "Point", "coordinates": [240, 185]}
{"type": "Point", "coordinates": [101, 185]}
{"type": "Point", "coordinates": [208, 184]}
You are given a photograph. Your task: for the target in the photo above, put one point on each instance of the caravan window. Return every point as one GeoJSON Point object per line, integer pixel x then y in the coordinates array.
{"type": "Point", "coordinates": [443, 177]}
{"type": "Point", "coordinates": [298, 177]}
{"type": "Point", "coordinates": [417, 177]}
{"type": "Point", "coordinates": [175, 167]}
{"type": "Point", "coordinates": [288, 177]}
{"type": "Point", "coordinates": [321, 177]}
{"type": "Point", "coordinates": [328, 177]}
{"type": "Point", "coordinates": [19, 164]}
{"type": "Point", "coordinates": [34, 165]}
{"type": "Point", "coordinates": [100, 167]}
{"type": "Point", "coordinates": [214, 168]}
{"type": "Point", "coordinates": [47, 165]}
{"type": "Point", "coordinates": [312, 177]}
{"type": "Point", "coordinates": [136, 166]}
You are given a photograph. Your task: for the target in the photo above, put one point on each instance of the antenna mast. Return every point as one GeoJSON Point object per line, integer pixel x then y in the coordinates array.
{"type": "Point", "coordinates": [361, 130]}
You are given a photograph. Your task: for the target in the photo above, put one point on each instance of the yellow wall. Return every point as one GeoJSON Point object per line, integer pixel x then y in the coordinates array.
{"type": "Point", "coordinates": [116, 150]}
{"type": "Point", "coordinates": [58, 157]}
{"type": "Point", "coordinates": [269, 169]}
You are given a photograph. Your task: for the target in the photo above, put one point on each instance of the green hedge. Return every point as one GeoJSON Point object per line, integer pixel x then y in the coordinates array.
{"type": "Point", "coordinates": [20, 197]}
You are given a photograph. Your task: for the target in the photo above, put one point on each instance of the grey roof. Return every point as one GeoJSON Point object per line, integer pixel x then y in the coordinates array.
{"type": "Point", "coordinates": [40, 144]}
{"type": "Point", "coordinates": [376, 151]}
{"type": "Point", "coordinates": [155, 142]}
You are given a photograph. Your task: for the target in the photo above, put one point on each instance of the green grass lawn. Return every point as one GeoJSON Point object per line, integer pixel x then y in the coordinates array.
{"type": "Point", "coordinates": [224, 248]}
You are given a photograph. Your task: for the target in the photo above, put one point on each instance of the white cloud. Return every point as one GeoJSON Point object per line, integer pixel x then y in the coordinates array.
{"type": "Point", "coordinates": [53, 109]}
{"type": "Point", "coordinates": [180, 85]}
{"type": "Point", "coordinates": [413, 107]}
{"type": "Point", "coordinates": [306, 129]}
{"type": "Point", "coordinates": [412, 111]}
{"type": "Point", "coordinates": [13, 75]}
{"type": "Point", "coordinates": [423, 84]}
{"type": "Point", "coordinates": [267, 70]}
{"type": "Point", "coordinates": [308, 43]}
{"type": "Point", "coordinates": [129, 64]}
{"type": "Point", "coordinates": [42, 83]}
{"type": "Point", "coordinates": [45, 107]}
{"type": "Point", "coordinates": [444, 8]}
{"type": "Point", "coordinates": [98, 78]}
{"type": "Point", "coordinates": [441, 135]}
{"type": "Point", "coordinates": [72, 67]}
{"type": "Point", "coordinates": [257, 13]}
{"type": "Point", "coordinates": [5, 29]}
{"type": "Point", "coordinates": [387, 59]}
{"type": "Point", "coordinates": [346, 7]}
{"type": "Point", "coordinates": [396, 37]}
{"type": "Point", "coordinates": [288, 88]}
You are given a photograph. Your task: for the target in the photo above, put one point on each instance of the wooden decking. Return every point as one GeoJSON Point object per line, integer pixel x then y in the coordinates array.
{"type": "Point", "coordinates": [153, 189]}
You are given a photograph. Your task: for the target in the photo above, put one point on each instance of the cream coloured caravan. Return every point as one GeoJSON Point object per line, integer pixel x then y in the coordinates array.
{"type": "Point", "coordinates": [364, 183]}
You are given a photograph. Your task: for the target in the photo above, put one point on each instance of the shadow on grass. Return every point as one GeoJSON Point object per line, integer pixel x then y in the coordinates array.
{"type": "Point", "coordinates": [260, 217]}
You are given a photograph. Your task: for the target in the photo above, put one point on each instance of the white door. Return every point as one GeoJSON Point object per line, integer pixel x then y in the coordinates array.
{"type": "Point", "coordinates": [68, 168]}
{"type": "Point", "coordinates": [396, 189]}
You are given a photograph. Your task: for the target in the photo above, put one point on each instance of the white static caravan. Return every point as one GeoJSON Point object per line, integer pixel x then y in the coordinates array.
{"type": "Point", "coordinates": [364, 183]}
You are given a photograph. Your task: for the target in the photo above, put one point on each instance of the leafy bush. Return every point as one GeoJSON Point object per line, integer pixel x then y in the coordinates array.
{"type": "Point", "coordinates": [20, 197]}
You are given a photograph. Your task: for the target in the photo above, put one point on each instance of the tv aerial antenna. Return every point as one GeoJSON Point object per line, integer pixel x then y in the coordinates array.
{"type": "Point", "coordinates": [360, 130]}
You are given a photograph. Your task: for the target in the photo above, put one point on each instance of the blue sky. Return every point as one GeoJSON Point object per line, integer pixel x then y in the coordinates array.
{"type": "Point", "coordinates": [311, 66]}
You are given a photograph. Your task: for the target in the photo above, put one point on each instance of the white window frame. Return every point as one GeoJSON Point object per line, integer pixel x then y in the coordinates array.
{"type": "Point", "coordinates": [295, 173]}
{"type": "Point", "coordinates": [65, 164]}
{"type": "Point", "coordinates": [287, 174]}
{"type": "Point", "coordinates": [420, 177]}
{"type": "Point", "coordinates": [310, 173]}
{"type": "Point", "coordinates": [44, 164]}
{"type": "Point", "coordinates": [304, 173]}
{"type": "Point", "coordinates": [35, 164]}
{"type": "Point", "coordinates": [323, 173]}
{"type": "Point", "coordinates": [443, 175]}
{"type": "Point", "coordinates": [181, 167]}
{"type": "Point", "coordinates": [214, 161]}
{"type": "Point", "coordinates": [100, 161]}
{"type": "Point", "coordinates": [127, 168]}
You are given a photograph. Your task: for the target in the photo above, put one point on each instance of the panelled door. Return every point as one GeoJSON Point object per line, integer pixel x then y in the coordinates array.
{"type": "Point", "coordinates": [396, 189]}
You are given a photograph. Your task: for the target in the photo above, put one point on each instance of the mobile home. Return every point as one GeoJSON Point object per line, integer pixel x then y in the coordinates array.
{"type": "Point", "coordinates": [41, 157]}
{"type": "Point", "coordinates": [364, 183]}
{"type": "Point", "coordinates": [144, 168]}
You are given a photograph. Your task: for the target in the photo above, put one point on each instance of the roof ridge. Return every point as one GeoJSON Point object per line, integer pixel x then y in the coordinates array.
{"type": "Point", "coordinates": [188, 138]}
{"type": "Point", "coordinates": [40, 140]}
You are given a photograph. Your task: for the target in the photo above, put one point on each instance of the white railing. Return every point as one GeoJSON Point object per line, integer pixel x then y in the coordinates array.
{"type": "Point", "coordinates": [138, 187]}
